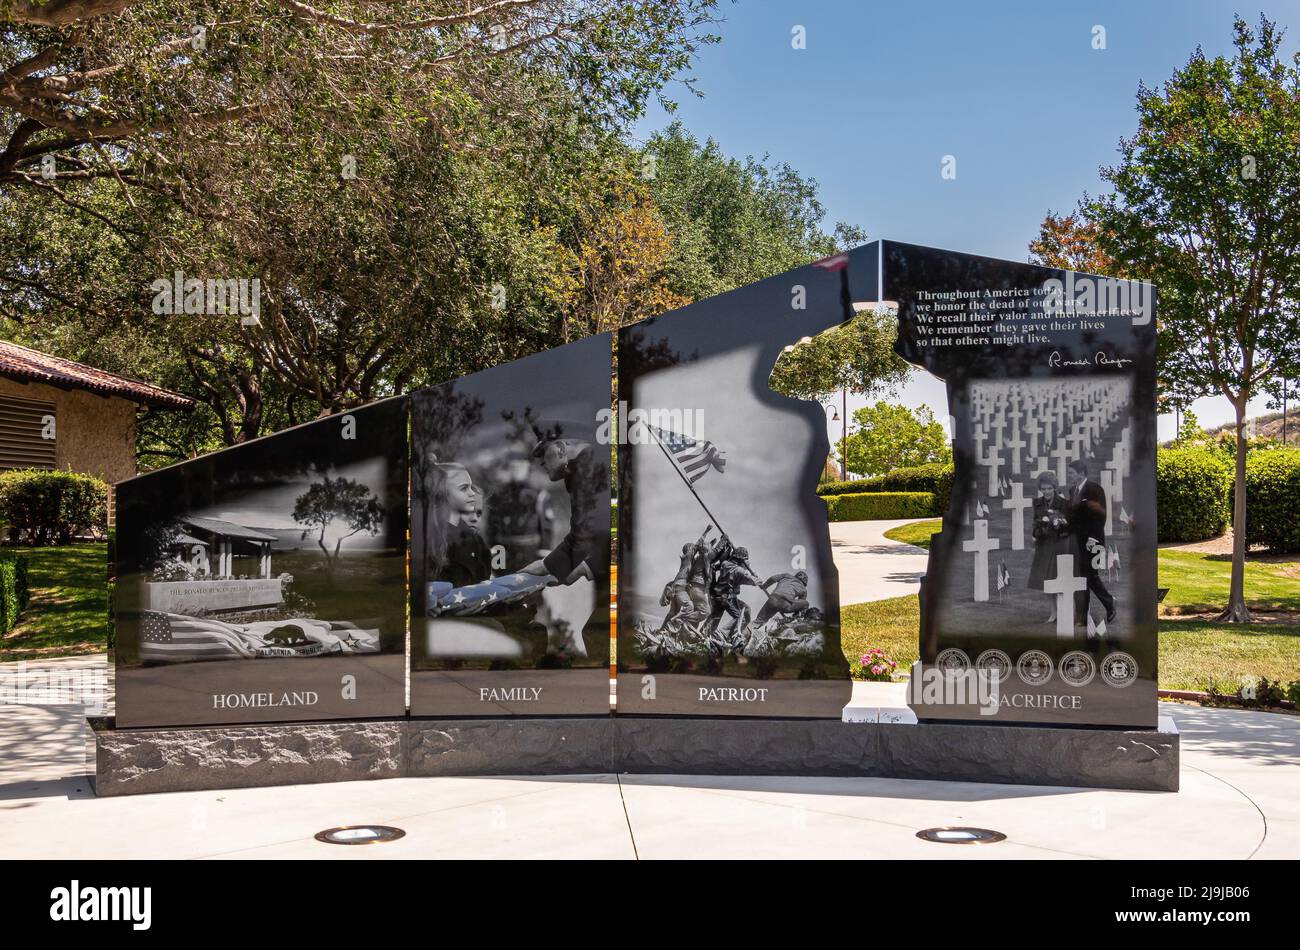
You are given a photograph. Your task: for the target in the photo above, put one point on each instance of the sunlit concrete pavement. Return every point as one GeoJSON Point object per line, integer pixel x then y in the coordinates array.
{"type": "Point", "coordinates": [872, 566]}
{"type": "Point", "coordinates": [1240, 771]}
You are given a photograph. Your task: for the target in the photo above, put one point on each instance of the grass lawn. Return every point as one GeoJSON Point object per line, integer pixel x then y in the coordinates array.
{"type": "Point", "coordinates": [1198, 582]}
{"type": "Point", "coordinates": [893, 625]}
{"type": "Point", "coordinates": [1196, 653]}
{"type": "Point", "coordinates": [68, 612]}
{"type": "Point", "coordinates": [917, 532]}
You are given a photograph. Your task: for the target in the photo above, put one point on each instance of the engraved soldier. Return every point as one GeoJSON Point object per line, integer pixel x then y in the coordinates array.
{"type": "Point", "coordinates": [789, 594]}
{"type": "Point", "coordinates": [731, 573]}
{"type": "Point", "coordinates": [686, 595]}
{"type": "Point", "coordinates": [578, 554]}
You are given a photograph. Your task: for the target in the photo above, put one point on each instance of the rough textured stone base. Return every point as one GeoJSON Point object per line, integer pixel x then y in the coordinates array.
{"type": "Point", "coordinates": [130, 761]}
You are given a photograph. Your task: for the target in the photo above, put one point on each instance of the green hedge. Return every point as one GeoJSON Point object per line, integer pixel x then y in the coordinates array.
{"type": "Point", "coordinates": [826, 489]}
{"type": "Point", "coordinates": [14, 591]}
{"type": "Point", "coordinates": [935, 478]}
{"type": "Point", "coordinates": [42, 507]}
{"type": "Point", "coordinates": [1273, 499]}
{"type": "Point", "coordinates": [1193, 494]}
{"type": "Point", "coordinates": [875, 506]}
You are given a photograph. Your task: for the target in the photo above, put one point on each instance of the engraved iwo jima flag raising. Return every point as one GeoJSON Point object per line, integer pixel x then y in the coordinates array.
{"type": "Point", "coordinates": [708, 613]}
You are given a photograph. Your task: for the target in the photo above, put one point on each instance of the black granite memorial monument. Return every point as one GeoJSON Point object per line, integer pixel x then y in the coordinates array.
{"type": "Point", "coordinates": [266, 582]}
{"type": "Point", "coordinates": [265, 588]}
{"type": "Point", "coordinates": [510, 538]}
{"type": "Point", "coordinates": [1043, 579]}
{"type": "Point", "coordinates": [728, 599]}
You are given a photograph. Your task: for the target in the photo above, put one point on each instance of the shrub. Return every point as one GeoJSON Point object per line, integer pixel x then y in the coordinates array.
{"type": "Point", "coordinates": [874, 666]}
{"type": "Point", "coordinates": [14, 593]}
{"type": "Point", "coordinates": [1273, 499]}
{"type": "Point", "coordinates": [844, 488]}
{"type": "Point", "coordinates": [22, 582]}
{"type": "Point", "coordinates": [875, 506]}
{"type": "Point", "coordinates": [1193, 494]}
{"type": "Point", "coordinates": [935, 478]}
{"type": "Point", "coordinates": [42, 507]}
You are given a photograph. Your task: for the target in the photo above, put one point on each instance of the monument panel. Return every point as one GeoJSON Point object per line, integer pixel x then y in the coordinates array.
{"type": "Point", "coordinates": [728, 599]}
{"type": "Point", "coordinates": [266, 582]}
{"type": "Point", "coordinates": [510, 538]}
{"type": "Point", "coordinates": [1043, 577]}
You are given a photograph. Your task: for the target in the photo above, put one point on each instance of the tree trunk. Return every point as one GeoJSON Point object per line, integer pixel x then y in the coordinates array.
{"type": "Point", "coordinates": [320, 542]}
{"type": "Point", "coordinates": [1236, 611]}
{"type": "Point", "coordinates": [252, 405]}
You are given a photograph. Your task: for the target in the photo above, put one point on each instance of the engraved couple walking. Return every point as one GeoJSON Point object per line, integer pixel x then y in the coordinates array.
{"type": "Point", "coordinates": [1071, 522]}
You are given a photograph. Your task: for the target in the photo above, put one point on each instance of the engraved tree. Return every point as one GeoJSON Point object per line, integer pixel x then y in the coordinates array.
{"type": "Point", "coordinates": [342, 504]}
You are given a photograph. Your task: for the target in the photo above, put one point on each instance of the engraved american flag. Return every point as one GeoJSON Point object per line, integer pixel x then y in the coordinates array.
{"type": "Point", "coordinates": [173, 637]}
{"type": "Point", "coordinates": [695, 457]}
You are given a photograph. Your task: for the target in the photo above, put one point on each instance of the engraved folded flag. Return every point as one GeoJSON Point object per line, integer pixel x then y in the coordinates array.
{"type": "Point", "coordinates": [473, 598]}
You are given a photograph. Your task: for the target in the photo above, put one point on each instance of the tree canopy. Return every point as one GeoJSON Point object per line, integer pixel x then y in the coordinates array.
{"type": "Point", "coordinates": [1206, 205]}
{"type": "Point", "coordinates": [420, 190]}
{"type": "Point", "coordinates": [890, 436]}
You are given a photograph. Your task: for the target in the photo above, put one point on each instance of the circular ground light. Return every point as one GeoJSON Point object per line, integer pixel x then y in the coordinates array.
{"type": "Point", "coordinates": [961, 835]}
{"type": "Point", "coordinates": [360, 834]}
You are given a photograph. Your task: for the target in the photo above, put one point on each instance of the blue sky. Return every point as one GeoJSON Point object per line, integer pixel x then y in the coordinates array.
{"type": "Point", "coordinates": [1014, 91]}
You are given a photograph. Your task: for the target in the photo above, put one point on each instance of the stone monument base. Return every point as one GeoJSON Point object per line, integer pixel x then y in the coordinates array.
{"type": "Point", "coordinates": [132, 761]}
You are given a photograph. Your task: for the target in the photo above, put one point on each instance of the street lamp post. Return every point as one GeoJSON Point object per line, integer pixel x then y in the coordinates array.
{"type": "Point", "coordinates": [844, 434]}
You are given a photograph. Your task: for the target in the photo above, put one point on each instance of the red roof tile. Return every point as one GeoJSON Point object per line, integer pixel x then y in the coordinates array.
{"type": "Point", "coordinates": [28, 365]}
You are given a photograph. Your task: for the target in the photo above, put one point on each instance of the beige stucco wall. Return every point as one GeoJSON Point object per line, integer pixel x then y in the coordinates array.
{"type": "Point", "coordinates": [96, 434]}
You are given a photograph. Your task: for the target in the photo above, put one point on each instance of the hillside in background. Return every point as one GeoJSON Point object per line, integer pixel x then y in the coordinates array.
{"type": "Point", "coordinates": [1268, 427]}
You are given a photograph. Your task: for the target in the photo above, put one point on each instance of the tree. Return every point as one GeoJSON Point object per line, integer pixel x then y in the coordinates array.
{"type": "Point", "coordinates": [858, 356]}
{"type": "Point", "coordinates": [735, 222]}
{"type": "Point", "coordinates": [407, 189]}
{"type": "Point", "coordinates": [889, 436]}
{"type": "Point", "coordinates": [618, 273]}
{"type": "Point", "coordinates": [1190, 431]}
{"type": "Point", "coordinates": [1206, 204]}
{"type": "Point", "coordinates": [97, 84]}
{"type": "Point", "coordinates": [421, 191]}
{"type": "Point", "coordinates": [1070, 242]}
{"type": "Point", "coordinates": [344, 500]}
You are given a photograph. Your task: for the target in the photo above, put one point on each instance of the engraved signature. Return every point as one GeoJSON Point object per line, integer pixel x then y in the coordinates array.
{"type": "Point", "coordinates": [1101, 359]}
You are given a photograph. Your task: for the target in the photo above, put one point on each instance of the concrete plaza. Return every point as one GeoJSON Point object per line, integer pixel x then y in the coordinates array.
{"type": "Point", "coordinates": [1240, 771]}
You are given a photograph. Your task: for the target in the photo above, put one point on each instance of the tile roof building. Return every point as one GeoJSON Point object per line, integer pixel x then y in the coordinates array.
{"type": "Point", "coordinates": [59, 414]}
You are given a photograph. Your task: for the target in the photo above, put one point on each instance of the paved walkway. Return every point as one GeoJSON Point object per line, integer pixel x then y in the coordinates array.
{"type": "Point", "coordinates": [872, 566]}
{"type": "Point", "coordinates": [87, 680]}
{"type": "Point", "coordinates": [1240, 772]}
